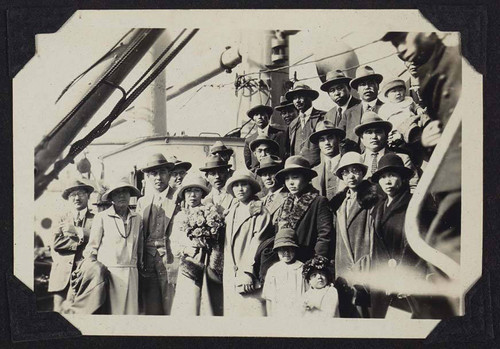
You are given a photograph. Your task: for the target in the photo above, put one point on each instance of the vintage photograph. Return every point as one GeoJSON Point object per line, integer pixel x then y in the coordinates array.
{"type": "Point", "coordinates": [248, 172]}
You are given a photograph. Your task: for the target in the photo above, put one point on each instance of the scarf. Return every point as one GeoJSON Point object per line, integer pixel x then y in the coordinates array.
{"type": "Point", "coordinates": [291, 213]}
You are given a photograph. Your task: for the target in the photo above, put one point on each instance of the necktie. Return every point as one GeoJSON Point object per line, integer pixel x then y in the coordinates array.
{"type": "Point", "coordinates": [374, 163]}
{"type": "Point", "coordinates": [78, 221]}
{"type": "Point", "coordinates": [339, 114]}
{"type": "Point", "coordinates": [269, 199]}
{"type": "Point", "coordinates": [302, 117]}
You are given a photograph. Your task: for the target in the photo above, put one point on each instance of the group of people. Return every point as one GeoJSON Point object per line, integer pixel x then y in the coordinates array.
{"type": "Point", "coordinates": [319, 205]}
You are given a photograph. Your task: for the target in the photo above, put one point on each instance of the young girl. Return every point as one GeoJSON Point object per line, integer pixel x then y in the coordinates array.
{"type": "Point", "coordinates": [284, 284]}
{"type": "Point", "coordinates": [321, 300]}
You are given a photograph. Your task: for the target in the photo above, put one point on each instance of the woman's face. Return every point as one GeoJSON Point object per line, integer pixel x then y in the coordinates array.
{"type": "Point", "coordinates": [391, 183]}
{"type": "Point", "coordinates": [120, 197]}
{"type": "Point", "coordinates": [193, 196]}
{"type": "Point", "coordinates": [318, 279]}
{"type": "Point", "coordinates": [296, 182]}
{"type": "Point", "coordinates": [242, 191]}
{"type": "Point", "coordinates": [352, 175]}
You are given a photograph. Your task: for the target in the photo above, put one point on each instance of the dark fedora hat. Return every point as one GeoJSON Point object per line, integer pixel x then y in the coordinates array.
{"type": "Point", "coordinates": [219, 147]}
{"type": "Point", "coordinates": [296, 163]}
{"type": "Point", "coordinates": [269, 162]}
{"type": "Point", "coordinates": [263, 139]}
{"type": "Point", "coordinates": [323, 128]}
{"type": "Point", "coordinates": [334, 77]}
{"type": "Point", "coordinates": [157, 161]}
{"type": "Point", "coordinates": [363, 73]}
{"type": "Point", "coordinates": [284, 104]}
{"type": "Point", "coordinates": [258, 109]}
{"type": "Point", "coordinates": [179, 164]}
{"type": "Point", "coordinates": [214, 161]}
{"type": "Point", "coordinates": [391, 162]}
{"type": "Point", "coordinates": [122, 183]}
{"type": "Point", "coordinates": [301, 89]}
{"type": "Point", "coordinates": [370, 120]}
{"type": "Point", "coordinates": [77, 185]}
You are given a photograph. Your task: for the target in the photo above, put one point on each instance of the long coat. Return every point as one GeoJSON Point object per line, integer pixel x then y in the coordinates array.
{"type": "Point", "coordinates": [332, 116]}
{"type": "Point", "coordinates": [309, 150]}
{"type": "Point", "coordinates": [277, 135]}
{"type": "Point", "coordinates": [329, 185]}
{"type": "Point", "coordinates": [67, 252]}
{"type": "Point", "coordinates": [244, 234]}
{"type": "Point", "coordinates": [352, 118]}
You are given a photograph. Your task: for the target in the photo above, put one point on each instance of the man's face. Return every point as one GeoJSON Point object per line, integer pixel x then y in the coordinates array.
{"type": "Point", "coordinates": [176, 177]}
{"type": "Point", "coordinates": [391, 183]}
{"type": "Point", "coordinates": [269, 178]}
{"type": "Point", "coordinates": [339, 93]}
{"type": "Point", "coordinates": [217, 177]}
{"type": "Point", "coordinates": [159, 177]}
{"type": "Point", "coordinates": [79, 198]}
{"type": "Point", "coordinates": [302, 102]}
{"type": "Point", "coordinates": [412, 68]}
{"type": "Point", "coordinates": [289, 114]}
{"type": "Point", "coordinates": [261, 119]}
{"type": "Point", "coordinates": [296, 182]}
{"type": "Point", "coordinates": [262, 150]}
{"type": "Point", "coordinates": [328, 145]}
{"type": "Point", "coordinates": [352, 175]}
{"type": "Point", "coordinates": [368, 90]}
{"type": "Point", "coordinates": [416, 47]}
{"type": "Point", "coordinates": [374, 139]}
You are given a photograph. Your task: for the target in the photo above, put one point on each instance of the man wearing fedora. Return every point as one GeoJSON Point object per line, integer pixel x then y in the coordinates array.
{"type": "Point", "coordinates": [305, 124]}
{"type": "Point", "coordinates": [217, 173]}
{"type": "Point", "coordinates": [287, 110]}
{"type": "Point", "coordinates": [261, 114]}
{"type": "Point", "coordinates": [263, 146]}
{"type": "Point", "coordinates": [275, 196]}
{"type": "Point", "coordinates": [178, 172]}
{"type": "Point", "coordinates": [337, 87]}
{"type": "Point", "coordinates": [157, 209]}
{"type": "Point", "coordinates": [70, 239]}
{"type": "Point", "coordinates": [328, 138]}
{"type": "Point", "coordinates": [367, 84]}
{"type": "Point", "coordinates": [224, 152]}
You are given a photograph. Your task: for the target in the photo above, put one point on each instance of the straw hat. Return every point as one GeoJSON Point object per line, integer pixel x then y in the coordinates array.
{"type": "Point", "coordinates": [77, 185]}
{"type": "Point", "coordinates": [243, 175]}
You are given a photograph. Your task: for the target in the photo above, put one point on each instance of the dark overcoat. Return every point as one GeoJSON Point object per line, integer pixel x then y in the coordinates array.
{"type": "Point", "coordinates": [352, 118]}
{"type": "Point", "coordinates": [308, 150]}
{"type": "Point", "coordinates": [332, 116]}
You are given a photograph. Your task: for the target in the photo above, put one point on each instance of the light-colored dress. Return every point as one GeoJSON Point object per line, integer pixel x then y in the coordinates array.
{"type": "Point", "coordinates": [323, 303]}
{"type": "Point", "coordinates": [117, 246]}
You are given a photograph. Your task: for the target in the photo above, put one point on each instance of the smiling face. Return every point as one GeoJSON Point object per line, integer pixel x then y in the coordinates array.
{"type": "Point", "coordinates": [217, 177]}
{"type": "Point", "coordinates": [329, 145]}
{"type": "Point", "coordinates": [289, 114]}
{"type": "Point", "coordinates": [261, 119]}
{"type": "Point", "coordinates": [302, 102]}
{"type": "Point", "coordinates": [374, 139]}
{"type": "Point", "coordinates": [352, 175]}
{"type": "Point", "coordinates": [318, 279]}
{"type": "Point", "coordinates": [396, 94]}
{"type": "Point", "coordinates": [120, 198]}
{"type": "Point", "coordinates": [296, 182]}
{"type": "Point", "coordinates": [242, 191]}
{"type": "Point", "coordinates": [193, 196]}
{"type": "Point", "coordinates": [159, 177]}
{"type": "Point", "coordinates": [368, 89]}
{"type": "Point", "coordinates": [79, 198]}
{"type": "Point", "coordinates": [339, 93]}
{"type": "Point", "coordinates": [391, 183]}
{"type": "Point", "coordinates": [286, 254]}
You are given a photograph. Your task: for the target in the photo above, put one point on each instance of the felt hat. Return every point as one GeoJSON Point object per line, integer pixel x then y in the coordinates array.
{"type": "Point", "coordinates": [300, 88]}
{"type": "Point", "coordinates": [122, 183]}
{"type": "Point", "coordinates": [243, 175]}
{"type": "Point", "coordinates": [285, 237]}
{"type": "Point", "coordinates": [323, 128]}
{"type": "Point", "coordinates": [193, 180]}
{"type": "Point", "coordinates": [77, 185]}
{"type": "Point", "coordinates": [214, 161]}
{"type": "Point", "coordinates": [219, 147]}
{"type": "Point", "coordinates": [393, 163]}
{"type": "Point", "coordinates": [365, 72]}
{"type": "Point", "coordinates": [258, 109]}
{"type": "Point", "coordinates": [370, 120]}
{"type": "Point", "coordinates": [318, 263]}
{"type": "Point", "coordinates": [334, 77]}
{"type": "Point", "coordinates": [263, 139]}
{"type": "Point", "coordinates": [269, 162]}
{"type": "Point", "coordinates": [284, 104]}
{"type": "Point", "coordinates": [296, 163]}
{"type": "Point", "coordinates": [392, 84]}
{"type": "Point", "coordinates": [348, 159]}
{"type": "Point", "coordinates": [156, 161]}
{"type": "Point", "coordinates": [179, 164]}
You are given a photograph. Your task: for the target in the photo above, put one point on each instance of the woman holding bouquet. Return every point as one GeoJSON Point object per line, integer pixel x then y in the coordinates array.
{"type": "Point", "coordinates": [248, 224]}
{"type": "Point", "coordinates": [196, 243]}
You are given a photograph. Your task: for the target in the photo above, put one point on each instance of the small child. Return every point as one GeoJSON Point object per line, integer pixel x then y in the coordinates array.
{"type": "Point", "coordinates": [284, 285]}
{"type": "Point", "coordinates": [321, 300]}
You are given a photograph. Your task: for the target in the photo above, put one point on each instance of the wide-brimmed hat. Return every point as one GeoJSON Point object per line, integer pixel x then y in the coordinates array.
{"type": "Point", "coordinates": [323, 128]}
{"type": "Point", "coordinates": [365, 72]}
{"type": "Point", "coordinates": [285, 237]}
{"type": "Point", "coordinates": [391, 162]}
{"type": "Point", "coordinates": [179, 164]}
{"type": "Point", "coordinates": [259, 108]}
{"type": "Point", "coordinates": [214, 161]}
{"type": "Point", "coordinates": [284, 104]}
{"type": "Point", "coordinates": [77, 185]}
{"type": "Point", "coordinates": [193, 180]}
{"type": "Point", "coordinates": [269, 162]}
{"type": "Point", "coordinates": [263, 139]}
{"type": "Point", "coordinates": [243, 175]}
{"type": "Point", "coordinates": [296, 163]}
{"type": "Point", "coordinates": [157, 161]}
{"type": "Point", "coordinates": [318, 263]}
{"type": "Point", "coordinates": [219, 147]}
{"type": "Point", "coordinates": [301, 89]}
{"type": "Point", "coordinates": [334, 77]}
{"type": "Point", "coordinates": [390, 85]}
{"type": "Point", "coordinates": [349, 159]}
{"type": "Point", "coordinates": [122, 183]}
{"type": "Point", "coordinates": [370, 120]}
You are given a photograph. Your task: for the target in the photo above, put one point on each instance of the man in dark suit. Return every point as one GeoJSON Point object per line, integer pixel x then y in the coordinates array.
{"type": "Point", "coordinates": [367, 84]}
{"type": "Point", "coordinates": [305, 124]}
{"type": "Point", "coordinates": [261, 115]}
{"type": "Point", "coordinates": [287, 110]}
{"type": "Point", "coordinates": [337, 87]}
{"type": "Point", "coordinates": [70, 239]}
{"type": "Point", "coordinates": [275, 197]}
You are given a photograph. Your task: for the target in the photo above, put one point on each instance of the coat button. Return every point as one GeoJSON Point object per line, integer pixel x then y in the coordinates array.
{"type": "Point", "coordinates": [235, 268]}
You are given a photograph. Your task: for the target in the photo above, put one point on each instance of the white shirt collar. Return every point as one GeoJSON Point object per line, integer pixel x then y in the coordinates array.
{"type": "Point", "coordinates": [368, 153]}
{"type": "Point", "coordinates": [81, 214]}
{"type": "Point", "coordinates": [371, 104]}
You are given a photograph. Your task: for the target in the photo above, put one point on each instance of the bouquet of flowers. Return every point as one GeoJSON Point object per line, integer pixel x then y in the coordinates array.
{"type": "Point", "coordinates": [203, 225]}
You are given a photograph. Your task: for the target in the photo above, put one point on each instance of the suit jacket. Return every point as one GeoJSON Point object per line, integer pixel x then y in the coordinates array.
{"type": "Point", "coordinates": [277, 135]}
{"type": "Point", "coordinates": [67, 252]}
{"type": "Point", "coordinates": [352, 118]}
{"type": "Point", "coordinates": [327, 187]}
{"type": "Point", "coordinates": [332, 116]}
{"type": "Point", "coordinates": [310, 151]}
{"type": "Point", "coordinates": [226, 202]}
{"type": "Point", "coordinates": [275, 205]}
